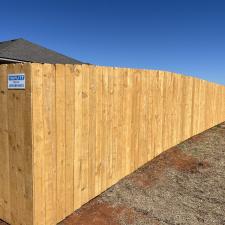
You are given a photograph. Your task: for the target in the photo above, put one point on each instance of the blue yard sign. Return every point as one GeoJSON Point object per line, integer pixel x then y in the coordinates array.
{"type": "Point", "coordinates": [16, 81]}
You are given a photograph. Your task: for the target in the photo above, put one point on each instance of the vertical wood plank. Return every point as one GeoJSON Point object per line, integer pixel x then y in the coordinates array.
{"type": "Point", "coordinates": [92, 132]}
{"type": "Point", "coordinates": [78, 136]}
{"type": "Point", "coordinates": [20, 149]}
{"type": "Point", "coordinates": [28, 148]}
{"type": "Point", "coordinates": [127, 120]}
{"type": "Point", "coordinates": [120, 132]}
{"type": "Point", "coordinates": [4, 148]}
{"type": "Point", "coordinates": [61, 140]}
{"type": "Point", "coordinates": [167, 110]}
{"type": "Point", "coordinates": [115, 131]}
{"type": "Point", "coordinates": [15, 151]}
{"type": "Point", "coordinates": [137, 117]}
{"type": "Point", "coordinates": [150, 118]}
{"type": "Point", "coordinates": [142, 129]}
{"type": "Point", "coordinates": [85, 135]}
{"type": "Point", "coordinates": [196, 103]}
{"type": "Point", "coordinates": [70, 135]}
{"type": "Point", "coordinates": [50, 154]}
{"type": "Point", "coordinates": [99, 131]}
{"type": "Point", "coordinates": [105, 129]}
{"type": "Point", "coordinates": [158, 111]}
{"type": "Point", "coordinates": [39, 168]}
{"type": "Point", "coordinates": [109, 125]}
{"type": "Point", "coordinates": [202, 105]}
{"type": "Point", "coordinates": [177, 90]}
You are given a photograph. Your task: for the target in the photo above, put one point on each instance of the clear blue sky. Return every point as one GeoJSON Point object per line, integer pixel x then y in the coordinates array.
{"type": "Point", "coordinates": [184, 36]}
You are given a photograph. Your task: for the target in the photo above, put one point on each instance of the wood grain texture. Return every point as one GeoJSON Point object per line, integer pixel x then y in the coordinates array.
{"type": "Point", "coordinates": [4, 148]}
{"type": "Point", "coordinates": [16, 176]}
{"type": "Point", "coordinates": [70, 134]}
{"type": "Point", "coordinates": [78, 129]}
{"type": "Point", "coordinates": [39, 202]}
{"type": "Point", "coordinates": [60, 91]}
{"type": "Point", "coordinates": [50, 156]}
{"type": "Point", "coordinates": [78, 136]}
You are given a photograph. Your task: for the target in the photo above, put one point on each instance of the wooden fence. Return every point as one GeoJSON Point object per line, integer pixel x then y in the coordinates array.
{"type": "Point", "coordinates": [77, 130]}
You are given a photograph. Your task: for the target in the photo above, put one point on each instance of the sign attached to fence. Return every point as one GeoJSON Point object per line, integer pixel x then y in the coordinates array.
{"type": "Point", "coordinates": [16, 81]}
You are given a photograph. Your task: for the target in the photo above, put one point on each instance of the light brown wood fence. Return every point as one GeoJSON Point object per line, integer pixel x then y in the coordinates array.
{"type": "Point", "coordinates": [77, 130]}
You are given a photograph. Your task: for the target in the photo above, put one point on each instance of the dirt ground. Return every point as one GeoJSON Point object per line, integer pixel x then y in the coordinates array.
{"type": "Point", "coordinates": [184, 185]}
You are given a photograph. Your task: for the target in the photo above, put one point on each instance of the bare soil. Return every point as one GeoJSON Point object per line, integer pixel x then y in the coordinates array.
{"type": "Point", "coordinates": [184, 185]}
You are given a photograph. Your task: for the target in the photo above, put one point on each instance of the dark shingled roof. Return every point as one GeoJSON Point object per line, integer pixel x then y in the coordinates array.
{"type": "Point", "coordinates": [25, 51]}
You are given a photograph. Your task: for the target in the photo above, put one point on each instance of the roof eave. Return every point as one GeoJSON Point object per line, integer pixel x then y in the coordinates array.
{"type": "Point", "coordinates": [11, 60]}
